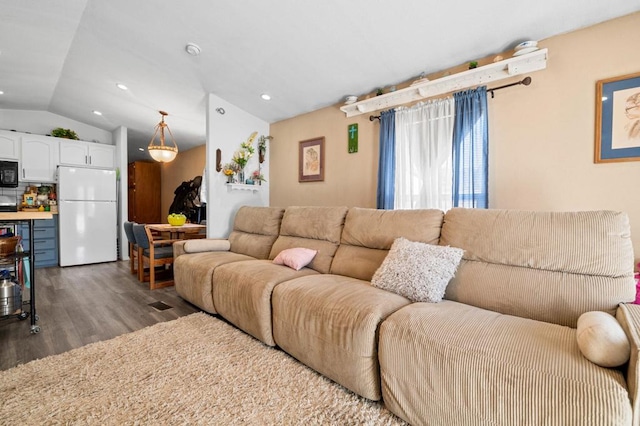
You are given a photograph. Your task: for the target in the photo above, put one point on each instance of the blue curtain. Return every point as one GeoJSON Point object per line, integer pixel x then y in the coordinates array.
{"type": "Point", "coordinates": [387, 162]}
{"type": "Point", "coordinates": [470, 149]}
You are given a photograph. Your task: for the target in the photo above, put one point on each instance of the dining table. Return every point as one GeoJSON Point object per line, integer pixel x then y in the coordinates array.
{"type": "Point", "coordinates": [177, 232]}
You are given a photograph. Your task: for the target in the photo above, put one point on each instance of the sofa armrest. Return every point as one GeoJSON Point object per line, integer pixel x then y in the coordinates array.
{"type": "Point", "coordinates": [178, 249]}
{"type": "Point", "coordinates": [628, 315]}
{"type": "Point", "coordinates": [200, 245]}
{"type": "Point", "coordinates": [206, 244]}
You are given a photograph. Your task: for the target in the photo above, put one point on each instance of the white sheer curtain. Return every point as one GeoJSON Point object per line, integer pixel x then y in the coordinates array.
{"type": "Point", "coordinates": [424, 140]}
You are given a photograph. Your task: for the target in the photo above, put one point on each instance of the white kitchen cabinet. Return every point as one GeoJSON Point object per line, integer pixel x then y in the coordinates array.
{"type": "Point", "coordinates": [9, 145]}
{"type": "Point", "coordinates": [79, 153]}
{"type": "Point", "coordinates": [101, 155]}
{"type": "Point", "coordinates": [39, 158]}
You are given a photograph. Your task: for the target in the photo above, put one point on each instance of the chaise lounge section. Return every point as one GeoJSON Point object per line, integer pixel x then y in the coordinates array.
{"type": "Point", "coordinates": [502, 348]}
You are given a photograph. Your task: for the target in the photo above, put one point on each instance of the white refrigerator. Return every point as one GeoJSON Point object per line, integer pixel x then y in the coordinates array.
{"type": "Point", "coordinates": [87, 214]}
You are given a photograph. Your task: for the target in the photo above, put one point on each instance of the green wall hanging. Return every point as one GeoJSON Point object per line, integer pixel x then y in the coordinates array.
{"type": "Point", "coordinates": [353, 138]}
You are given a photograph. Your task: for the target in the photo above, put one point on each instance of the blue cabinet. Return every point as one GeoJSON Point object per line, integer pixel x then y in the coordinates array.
{"type": "Point", "coordinates": [45, 235]}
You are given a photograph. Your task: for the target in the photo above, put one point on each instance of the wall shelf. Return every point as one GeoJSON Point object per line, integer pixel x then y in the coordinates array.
{"type": "Point", "coordinates": [496, 71]}
{"type": "Point", "coordinates": [243, 187]}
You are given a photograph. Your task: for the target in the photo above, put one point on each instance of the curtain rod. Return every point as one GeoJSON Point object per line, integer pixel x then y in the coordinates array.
{"type": "Point", "coordinates": [525, 81]}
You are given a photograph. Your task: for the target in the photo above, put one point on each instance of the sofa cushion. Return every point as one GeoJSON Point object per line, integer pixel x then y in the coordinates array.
{"type": "Point", "coordinates": [295, 258]}
{"type": "Point", "coordinates": [254, 230]}
{"type": "Point", "coordinates": [369, 233]}
{"type": "Point", "coordinates": [330, 323]}
{"type": "Point", "coordinates": [315, 228]}
{"type": "Point", "coordinates": [193, 275]}
{"type": "Point", "coordinates": [602, 340]}
{"type": "Point", "coordinates": [482, 367]}
{"type": "Point", "coordinates": [548, 266]}
{"type": "Point", "coordinates": [418, 271]}
{"type": "Point", "coordinates": [242, 294]}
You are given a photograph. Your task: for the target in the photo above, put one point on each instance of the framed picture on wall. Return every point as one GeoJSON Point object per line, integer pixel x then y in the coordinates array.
{"type": "Point", "coordinates": [311, 160]}
{"type": "Point", "coordinates": [618, 119]}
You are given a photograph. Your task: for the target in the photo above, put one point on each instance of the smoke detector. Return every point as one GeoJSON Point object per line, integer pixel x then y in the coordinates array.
{"type": "Point", "coordinates": [193, 49]}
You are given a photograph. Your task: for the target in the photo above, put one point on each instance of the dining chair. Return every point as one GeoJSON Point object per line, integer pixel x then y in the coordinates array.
{"type": "Point", "coordinates": [153, 253]}
{"type": "Point", "coordinates": [133, 247]}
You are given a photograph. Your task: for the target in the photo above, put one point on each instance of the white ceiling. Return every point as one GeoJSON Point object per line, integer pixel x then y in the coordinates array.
{"type": "Point", "coordinates": [66, 56]}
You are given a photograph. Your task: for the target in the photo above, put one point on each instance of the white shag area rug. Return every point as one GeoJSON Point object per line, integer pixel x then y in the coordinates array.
{"type": "Point", "coordinates": [193, 370]}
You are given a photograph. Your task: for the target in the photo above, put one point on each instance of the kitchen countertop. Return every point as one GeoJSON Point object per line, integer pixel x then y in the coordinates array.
{"type": "Point", "coordinates": [36, 211]}
{"type": "Point", "coordinates": [25, 215]}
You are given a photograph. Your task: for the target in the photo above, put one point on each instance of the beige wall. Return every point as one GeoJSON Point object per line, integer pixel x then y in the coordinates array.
{"type": "Point", "coordinates": [186, 166]}
{"type": "Point", "coordinates": [349, 179]}
{"type": "Point", "coordinates": [541, 138]}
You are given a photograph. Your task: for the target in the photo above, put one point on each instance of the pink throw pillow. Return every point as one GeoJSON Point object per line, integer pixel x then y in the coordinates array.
{"type": "Point", "coordinates": [295, 258]}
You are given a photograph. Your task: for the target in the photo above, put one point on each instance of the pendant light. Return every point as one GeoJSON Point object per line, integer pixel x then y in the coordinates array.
{"type": "Point", "coordinates": [162, 153]}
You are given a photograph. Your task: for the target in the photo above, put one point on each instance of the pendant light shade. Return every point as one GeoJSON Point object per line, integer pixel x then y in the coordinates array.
{"type": "Point", "coordinates": [162, 153]}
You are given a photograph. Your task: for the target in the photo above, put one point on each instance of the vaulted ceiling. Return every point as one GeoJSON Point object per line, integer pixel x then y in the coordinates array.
{"type": "Point", "coordinates": [66, 56]}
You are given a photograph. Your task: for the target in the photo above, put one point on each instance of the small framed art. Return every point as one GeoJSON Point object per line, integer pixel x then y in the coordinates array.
{"type": "Point", "coordinates": [618, 119]}
{"type": "Point", "coordinates": [311, 160]}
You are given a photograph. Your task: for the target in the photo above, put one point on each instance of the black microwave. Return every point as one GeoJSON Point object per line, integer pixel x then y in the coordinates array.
{"type": "Point", "coordinates": [8, 174]}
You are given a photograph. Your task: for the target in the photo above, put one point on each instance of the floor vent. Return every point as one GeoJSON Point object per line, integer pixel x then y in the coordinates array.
{"type": "Point", "coordinates": [160, 306]}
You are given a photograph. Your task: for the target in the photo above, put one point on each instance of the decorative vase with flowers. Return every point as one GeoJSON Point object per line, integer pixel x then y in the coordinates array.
{"type": "Point", "coordinates": [262, 147]}
{"type": "Point", "coordinates": [258, 177]}
{"type": "Point", "coordinates": [241, 157]}
{"type": "Point", "coordinates": [229, 170]}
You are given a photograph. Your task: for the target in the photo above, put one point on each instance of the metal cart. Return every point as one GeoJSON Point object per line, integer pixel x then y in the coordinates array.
{"type": "Point", "coordinates": [29, 217]}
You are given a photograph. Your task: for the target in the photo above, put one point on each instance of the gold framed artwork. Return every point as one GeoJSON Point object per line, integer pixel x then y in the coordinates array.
{"type": "Point", "coordinates": [311, 160]}
{"type": "Point", "coordinates": [618, 119]}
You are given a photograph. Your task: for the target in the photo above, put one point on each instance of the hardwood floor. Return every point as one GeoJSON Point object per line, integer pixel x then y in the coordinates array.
{"type": "Point", "coordinates": [79, 305]}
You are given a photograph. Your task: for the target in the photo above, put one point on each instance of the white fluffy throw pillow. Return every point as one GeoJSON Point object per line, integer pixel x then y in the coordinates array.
{"type": "Point", "coordinates": [418, 271]}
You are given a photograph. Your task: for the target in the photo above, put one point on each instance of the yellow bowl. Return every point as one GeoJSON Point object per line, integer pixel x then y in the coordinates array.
{"type": "Point", "coordinates": [177, 220]}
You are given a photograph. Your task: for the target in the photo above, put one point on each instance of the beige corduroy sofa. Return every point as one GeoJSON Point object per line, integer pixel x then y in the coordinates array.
{"type": "Point", "coordinates": [500, 349]}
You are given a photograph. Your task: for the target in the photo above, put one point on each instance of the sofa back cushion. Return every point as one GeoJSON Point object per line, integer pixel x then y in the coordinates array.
{"type": "Point", "coordinates": [547, 266]}
{"type": "Point", "coordinates": [254, 230]}
{"type": "Point", "coordinates": [315, 228]}
{"type": "Point", "coordinates": [369, 233]}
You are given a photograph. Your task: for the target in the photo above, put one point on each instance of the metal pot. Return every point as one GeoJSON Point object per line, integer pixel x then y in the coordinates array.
{"type": "Point", "coordinates": [10, 296]}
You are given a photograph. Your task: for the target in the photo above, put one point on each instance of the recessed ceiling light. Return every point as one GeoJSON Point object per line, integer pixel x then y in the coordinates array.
{"type": "Point", "coordinates": [141, 149]}
{"type": "Point", "coordinates": [97, 112]}
{"type": "Point", "coordinates": [1, 92]}
{"type": "Point", "coordinates": [121, 86]}
{"type": "Point", "coordinates": [265, 97]}
{"type": "Point", "coordinates": [193, 49]}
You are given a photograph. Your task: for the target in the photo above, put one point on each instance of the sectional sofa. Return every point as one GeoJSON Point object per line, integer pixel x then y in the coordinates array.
{"type": "Point", "coordinates": [504, 346]}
